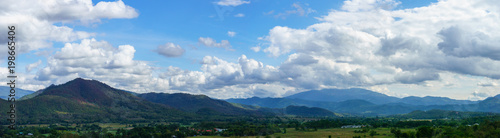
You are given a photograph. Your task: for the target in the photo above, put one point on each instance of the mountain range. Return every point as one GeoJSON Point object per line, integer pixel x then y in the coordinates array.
{"type": "Point", "coordinates": [85, 101]}
{"type": "Point", "coordinates": [357, 101]}
{"type": "Point", "coordinates": [5, 91]}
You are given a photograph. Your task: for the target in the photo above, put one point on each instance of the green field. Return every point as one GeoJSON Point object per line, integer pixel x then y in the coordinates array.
{"type": "Point", "coordinates": [324, 133]}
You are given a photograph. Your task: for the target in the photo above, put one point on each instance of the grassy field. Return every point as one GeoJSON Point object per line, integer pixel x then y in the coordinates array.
{"type": "Point", "coordinates": [324, 133]}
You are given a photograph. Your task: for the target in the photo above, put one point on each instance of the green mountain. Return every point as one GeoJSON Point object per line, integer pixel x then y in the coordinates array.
{"type": "Point", "coordinates": [440, 114]}
{"type": "Point", "coordinates": [5, 91]}
{"type": "Point", "coordinates": [82, 100]}
{"type": "Point", "coordinates": [308, 111]}
{"type": "Point", "coordinates": [199, 104]}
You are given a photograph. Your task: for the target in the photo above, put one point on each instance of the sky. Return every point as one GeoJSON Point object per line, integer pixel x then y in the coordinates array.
{"type": "Point", "coordinates": [263, 48]}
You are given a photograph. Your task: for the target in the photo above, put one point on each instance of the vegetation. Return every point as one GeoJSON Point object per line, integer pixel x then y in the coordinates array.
{"type": "Point", "coordinates": [488, 126]}
{"type": "Point", "coordinates": [88, 108]}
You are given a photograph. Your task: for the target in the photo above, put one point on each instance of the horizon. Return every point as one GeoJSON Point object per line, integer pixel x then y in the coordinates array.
{"type": "Point", "coordinates": [255, 96]}
{"type": "Point", "coordinates": [250, 48]}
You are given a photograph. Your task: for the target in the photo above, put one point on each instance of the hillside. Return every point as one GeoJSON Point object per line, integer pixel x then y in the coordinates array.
{"type": "Point", "coordinates": [442, 114]}
{"type": "Point", "coordinates": [82, 100]}
{"type": "Point", "coordinates": [308, 111]}
{"type": "Point", "coordinates": [199, 104]}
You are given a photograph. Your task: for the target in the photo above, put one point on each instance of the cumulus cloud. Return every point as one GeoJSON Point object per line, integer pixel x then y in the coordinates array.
{"type": "Point", "coordinates": [207, 41]}
{"type": "Point", "coordinates": [232, 2]}
{"type": "Point", "coordinates": [97, 60]}
{"type": "Point", "coordinates": [170, 50]}
{"type": "Point", "coordinates": [37, 24]}
{"type": "Point", "coordinates": [364, 45]}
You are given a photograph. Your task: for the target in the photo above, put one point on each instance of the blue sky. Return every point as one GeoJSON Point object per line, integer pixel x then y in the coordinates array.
{"type": "Point", "coordinates": [246, 48]}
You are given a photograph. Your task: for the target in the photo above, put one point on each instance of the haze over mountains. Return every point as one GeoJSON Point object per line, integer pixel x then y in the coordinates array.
{"type": "Point", "coordinates": [365, 102]}
{"type": "Point", "coordinates": [83, 100]}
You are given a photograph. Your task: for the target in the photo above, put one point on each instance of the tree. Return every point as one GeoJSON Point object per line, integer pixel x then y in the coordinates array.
{"type": "Point", "coordinates": [424, 132]}
{"type": "Point", "coordinates": [373, 133]}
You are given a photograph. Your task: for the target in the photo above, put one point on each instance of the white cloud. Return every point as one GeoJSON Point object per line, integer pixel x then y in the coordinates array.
{"type": "Point", "coordinates": [239, 15]}
{"type": "Point", "coordinates": [207, 41]}
{"type": "Point", "coordinates": [487, 84]}
{"type": "Point", "coordinates": [232, 2]}
{"type": "Point", "coordinates": [299, 10]}
{"type": "Point", "coordinates": [37, 24]}
{"type": "Point", "coordinates": [170, 50]}
{"type": "Point", "coordinates": [97, 60]}
{"type": "Point", "coordinates": [231, 33]}
{"type": "Point", "coordinates": [365, 45]}
{"type": "Point", "coordinates": [367, 5]}
{"type": "Point", "coordinates": [32, 66]}
{"type": "Point", "coordinates": [255, 49]}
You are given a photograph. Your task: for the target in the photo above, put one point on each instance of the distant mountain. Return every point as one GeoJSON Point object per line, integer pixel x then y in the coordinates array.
{"type": "Point", "coordinates": [308, 111]}
{"type": "Point", "coordinates": [440, 114]}
{"type": "Point", "coordinates": [200, 104]}
{"type": "Point", "coordinates": [339, 95]}
{"type": "Point", "coordinates": [5, 91]}
{"type": "Point", "coordinates": [491, 104]}
{"type": "Point", "coordinates": [275, 102]}
{"type": "Point", "coordinates": [82, 100]}
{"type": "Point", "coordinates": [368, 103]}
{"type": "Point", "coordinates": [429, 100]}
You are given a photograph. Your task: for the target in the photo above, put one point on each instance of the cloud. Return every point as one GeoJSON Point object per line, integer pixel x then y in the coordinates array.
{"type": "Point", "coordinates": [170, 50]}
{"type": "Point", "coordinates": [37, 25]}
{"type": "Point", "coordinates": [298, 10]}
{"type": "Point", "coordinates": [232, 2]}
{"type": "Point", "coordinates": [255, 49]}
{"type": "Point", "coordinates": [364, 45]}
{"type": "Point", "coordinates": [96, 60]}
{"type": "Point", "coordinates": [239, 15]}
{"type": "Point", "coordinates": [32, 66]}
{"type": "Point", "coordinates": [231, 33]}
{"type": "Point", "coordinates": [207, 41]}
{"type": "Point", "coordinates": [216, 74]}
{"type": "Point", "coordinates": [367, 5]}
{"type": "Point", "coordinates": [487, 84]}
{"type": "Point", "coordinates": [461, 43]}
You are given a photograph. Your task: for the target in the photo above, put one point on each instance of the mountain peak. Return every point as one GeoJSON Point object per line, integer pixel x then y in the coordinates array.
{"type": "Point", "coordinates": [339, 95]}
{"type": "Point", "coordinates": [79, 89]}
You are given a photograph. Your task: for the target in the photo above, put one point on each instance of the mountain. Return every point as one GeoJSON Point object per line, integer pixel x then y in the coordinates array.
{"type": "Point", "coordinates": [82, 100]}
{"type": "Point", "coordinates": [491, 104]}
{"type": "Point", "coordinates": [368, 103]}
{"type": "Point", "coordinates": [200, 104]}
{"type": "Point", "coordinates": [440, 114]}
{"type": "Point", "coordinates": [339, 95]}
{"type": "Point", "coordinates": [430, 100]}
{"type": "Point", "coordinates": [5, 91]}
{"type": "Point", "coordinates": [308, 111]}
{"type": "Point", "coordinates": [275, 102]}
